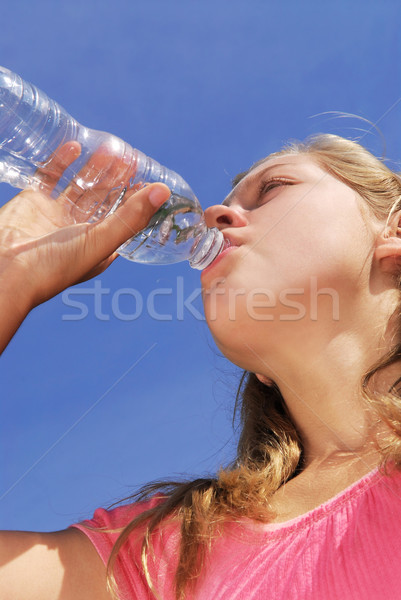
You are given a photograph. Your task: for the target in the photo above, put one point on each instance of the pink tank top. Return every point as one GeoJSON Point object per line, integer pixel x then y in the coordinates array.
{"type": "Point", "coordinates": [348, 548]}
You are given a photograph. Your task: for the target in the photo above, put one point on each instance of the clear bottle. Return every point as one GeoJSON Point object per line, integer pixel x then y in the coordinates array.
{"type": "Point", "coordinates": [33, 127]}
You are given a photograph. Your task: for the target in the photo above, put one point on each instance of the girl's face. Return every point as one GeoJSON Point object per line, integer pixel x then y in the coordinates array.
{"type": "Point", "coordinates": [299, 262]}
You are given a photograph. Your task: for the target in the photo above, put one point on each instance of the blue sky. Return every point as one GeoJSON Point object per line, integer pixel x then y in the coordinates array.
{"type": "Point", "coordinates": [93, 407]}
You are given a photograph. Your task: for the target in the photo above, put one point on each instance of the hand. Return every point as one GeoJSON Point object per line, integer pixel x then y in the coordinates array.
{"type": "Point", "coordinates": [40, 256]}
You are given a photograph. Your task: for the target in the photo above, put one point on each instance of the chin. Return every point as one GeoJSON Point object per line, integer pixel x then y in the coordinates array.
{"type": "Point", "coordinates": [235, 339]}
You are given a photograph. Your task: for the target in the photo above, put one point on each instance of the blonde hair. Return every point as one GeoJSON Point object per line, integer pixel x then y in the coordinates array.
{"type": "Point", "coordinates": [269, 450]}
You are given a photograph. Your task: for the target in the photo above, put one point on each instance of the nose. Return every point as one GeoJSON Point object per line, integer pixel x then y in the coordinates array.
{"type": "Point", "coordinates": [222, 216]}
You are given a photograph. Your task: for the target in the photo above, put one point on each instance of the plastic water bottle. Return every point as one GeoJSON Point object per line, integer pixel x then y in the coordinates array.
{"type": "Point", "coordinates": [33, 127]}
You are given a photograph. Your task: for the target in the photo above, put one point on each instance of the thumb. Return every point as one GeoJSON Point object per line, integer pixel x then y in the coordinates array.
{"type": "Point", "coordinates": [130, 218]}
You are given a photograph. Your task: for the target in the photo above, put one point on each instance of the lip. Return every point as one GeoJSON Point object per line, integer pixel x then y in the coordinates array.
{"type": "Point", "coordinates": [229, 246]}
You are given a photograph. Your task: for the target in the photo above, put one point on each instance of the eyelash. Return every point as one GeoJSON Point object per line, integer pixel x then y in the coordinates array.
{"type": "Point", "coordinates": [271, 184]}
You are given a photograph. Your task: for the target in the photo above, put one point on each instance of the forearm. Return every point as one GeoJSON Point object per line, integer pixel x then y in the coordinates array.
{"type": "Point", "coordinates": [14, 307]}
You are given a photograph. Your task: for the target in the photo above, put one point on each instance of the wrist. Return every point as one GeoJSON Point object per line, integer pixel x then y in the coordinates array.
{"type": "Point", "coordinates": [14, 307]}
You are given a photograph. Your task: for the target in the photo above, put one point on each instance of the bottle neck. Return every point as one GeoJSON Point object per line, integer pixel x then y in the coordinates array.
{"type": "Point", "coordinates": [208, 248]}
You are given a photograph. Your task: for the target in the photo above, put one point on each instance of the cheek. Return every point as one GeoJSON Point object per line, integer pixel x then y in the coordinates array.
{"type": "Point", "coordinates": [327, 241]}
{"type": "Point", "coordinates": [269, 291]}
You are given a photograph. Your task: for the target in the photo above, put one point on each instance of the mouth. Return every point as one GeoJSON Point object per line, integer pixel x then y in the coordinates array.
{"type": "Point", "coordinates": [228, 246]}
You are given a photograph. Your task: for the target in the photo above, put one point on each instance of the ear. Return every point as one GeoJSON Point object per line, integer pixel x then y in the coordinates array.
{"type": "Point", "coordinates": [264, 379]}
{"type": "Point", "coordinates": [388, 246]}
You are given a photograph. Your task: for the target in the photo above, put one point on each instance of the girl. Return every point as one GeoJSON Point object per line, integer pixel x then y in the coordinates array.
{"type": "Point", "coordinates": [306, 300]}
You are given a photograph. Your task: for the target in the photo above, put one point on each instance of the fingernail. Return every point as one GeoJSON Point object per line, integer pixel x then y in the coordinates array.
{"type": "Point", "coordinates": [157, 196]}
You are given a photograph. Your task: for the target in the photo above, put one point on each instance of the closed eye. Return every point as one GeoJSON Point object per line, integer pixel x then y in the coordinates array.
{"type": "Point", "coordinates": [272, 183]}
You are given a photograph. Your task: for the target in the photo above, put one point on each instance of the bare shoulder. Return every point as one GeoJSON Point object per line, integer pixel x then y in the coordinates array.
{"type": "Point", "coordinates": [50, 566]}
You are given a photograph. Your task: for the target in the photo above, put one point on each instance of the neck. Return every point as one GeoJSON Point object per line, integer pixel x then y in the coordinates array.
{"type": "Point", "coordinates": [324, 398]}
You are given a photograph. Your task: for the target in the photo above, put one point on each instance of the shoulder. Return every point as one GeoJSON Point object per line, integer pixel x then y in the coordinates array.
{"type": "Point", "coordinates": [129, 521]}
{"type": "Point", "coordinates": [112, 521]}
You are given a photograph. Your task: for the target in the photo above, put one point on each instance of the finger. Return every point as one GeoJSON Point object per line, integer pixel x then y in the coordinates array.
{"type": "Point", "coordinates": [130, 218]}
{"type": "Point", "coordinates": [102, 171]}
{"type": "Point", "coordinates": [62, 158]}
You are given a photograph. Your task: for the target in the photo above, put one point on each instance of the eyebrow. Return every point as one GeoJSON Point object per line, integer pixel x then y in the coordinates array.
{"type": "Point", "coordinates": [252, 179]}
